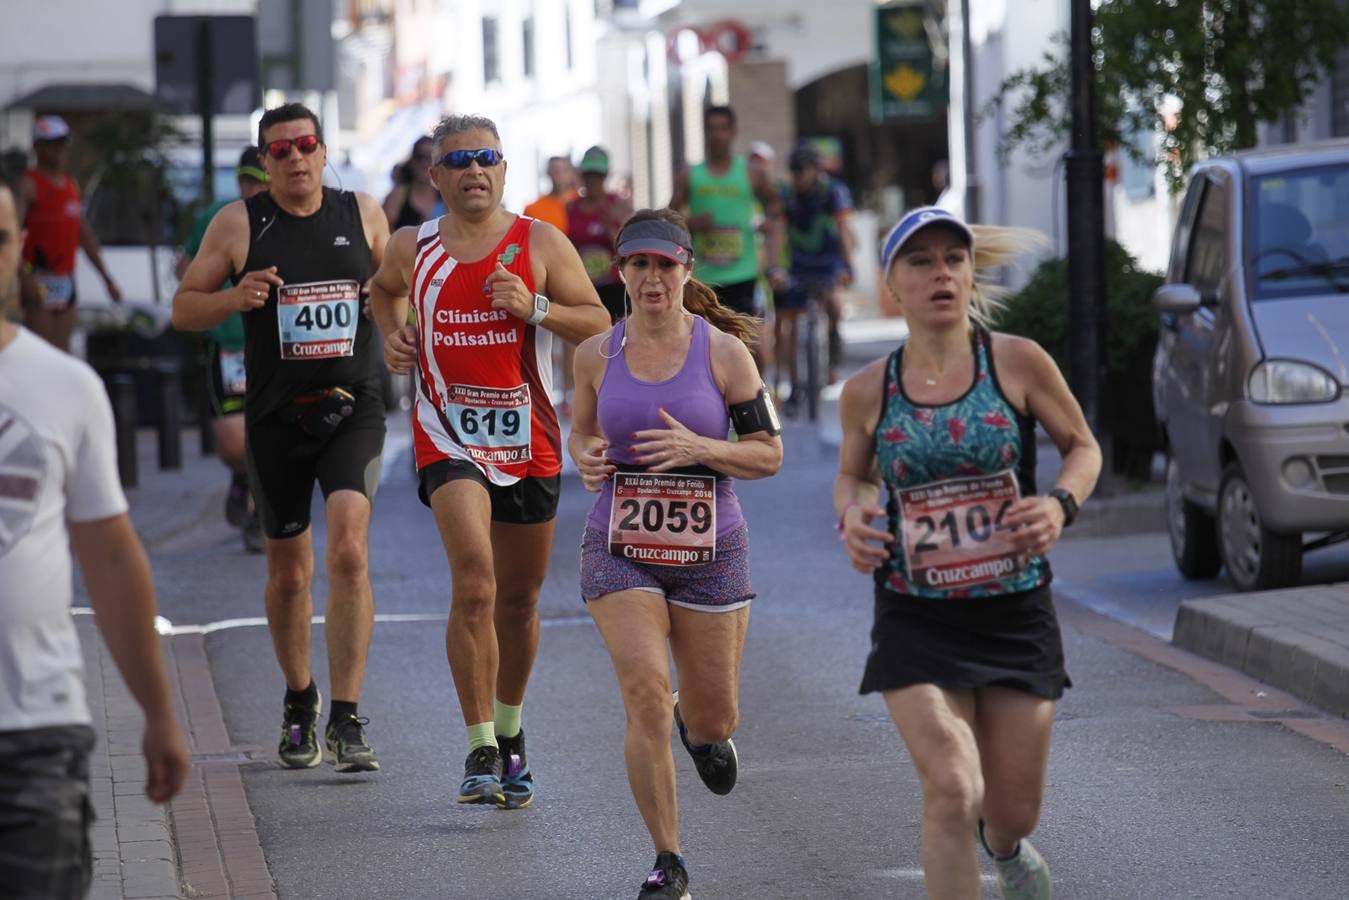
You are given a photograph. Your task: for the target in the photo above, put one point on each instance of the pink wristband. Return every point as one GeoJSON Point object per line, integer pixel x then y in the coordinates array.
{"type": "Point", "coordinates": [838, 526]}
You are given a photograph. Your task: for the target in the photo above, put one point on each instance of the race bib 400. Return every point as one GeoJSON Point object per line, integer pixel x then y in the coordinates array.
{"type": "Point", "coordinates": [318, 320]}
{"type": "Point", "coordinates": [493, 424]}
{"type": "Point", "coordinates": [666, 520]}
{"type": "Point", "coordinates": [954, 534]}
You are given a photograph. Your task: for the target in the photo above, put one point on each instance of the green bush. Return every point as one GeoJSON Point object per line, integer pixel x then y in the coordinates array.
{"type": "Point", "coordinates": [1040, 312]}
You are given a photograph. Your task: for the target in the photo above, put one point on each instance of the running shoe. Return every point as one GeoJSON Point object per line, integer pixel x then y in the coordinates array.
{"type": "Point", "coordinates": [252, 534]}
{"type": "Point", "coordinates": [717, 764]}
{"type": "Point", "coordinates": [517, 782]}
{"type": "Point", "coordinates": [482, 777]}
{"type": "Point", "coordinates": [1023, 875]}
{"type": "Point", "coordinates": [236, 502]}
{"type": "Point", "coordinates": [299, 748]}
{"type": "Point", "coordinates": [669, 880]}
{"type": "Point", "coordinates": [348, 750]}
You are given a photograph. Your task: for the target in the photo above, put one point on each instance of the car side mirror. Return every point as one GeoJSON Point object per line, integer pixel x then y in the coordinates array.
{"type": "Point", "coordinates": [1177, 299]}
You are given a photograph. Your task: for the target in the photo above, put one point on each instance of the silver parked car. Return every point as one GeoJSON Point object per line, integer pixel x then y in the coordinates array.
{"type": "Point", "coordinates": [1249, 374]}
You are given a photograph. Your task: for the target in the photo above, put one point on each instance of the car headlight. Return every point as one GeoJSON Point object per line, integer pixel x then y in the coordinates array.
{"type": "Point", "coordinates": [1288, 381]}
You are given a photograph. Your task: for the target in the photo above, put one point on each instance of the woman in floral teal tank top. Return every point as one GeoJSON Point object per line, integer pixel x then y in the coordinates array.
{"type": "Point", "coordinates": [966, 647]}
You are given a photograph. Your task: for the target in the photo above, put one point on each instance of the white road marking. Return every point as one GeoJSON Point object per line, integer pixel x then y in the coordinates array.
{"type": "Point", "coordinates": [164, 626]}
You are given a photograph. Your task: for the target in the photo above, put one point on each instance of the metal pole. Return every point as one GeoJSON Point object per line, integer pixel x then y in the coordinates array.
{"type": "Point", "coordinates": [170, 417]}
{"type": "Point", "coordinates": [206, 107]}
{"type": "Point", "coordinates": [1086, 230]}
{"type": "Point", "coordinates": [967, 109]}
{"type": "Point", "coordinates": [122, 395]}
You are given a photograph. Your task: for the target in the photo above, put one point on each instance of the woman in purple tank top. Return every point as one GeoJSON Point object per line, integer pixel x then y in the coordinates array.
{"type": "Point", "coordinates": [664, 560]}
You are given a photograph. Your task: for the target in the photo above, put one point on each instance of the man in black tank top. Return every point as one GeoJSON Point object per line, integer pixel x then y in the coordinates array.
{"type": "Point", "coordinates": [299, 257]}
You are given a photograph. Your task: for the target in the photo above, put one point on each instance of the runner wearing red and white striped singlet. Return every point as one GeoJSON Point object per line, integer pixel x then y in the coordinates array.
{"type": "Point", "coordinates": [489, 289]}
{"type": "Point", "coordinates": [484, 377]}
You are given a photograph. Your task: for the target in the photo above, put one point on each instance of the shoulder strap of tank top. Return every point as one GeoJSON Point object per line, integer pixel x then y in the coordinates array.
{"type": "Point", "coordinates": [429, 228]}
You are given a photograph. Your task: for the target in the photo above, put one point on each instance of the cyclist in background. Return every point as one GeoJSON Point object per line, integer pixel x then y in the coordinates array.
{"type": "Point", "coordinates": [820, 241]}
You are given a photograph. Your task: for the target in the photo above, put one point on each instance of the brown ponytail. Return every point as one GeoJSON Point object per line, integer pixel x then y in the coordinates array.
{"type": "Point", "coordinates": [700, 299]}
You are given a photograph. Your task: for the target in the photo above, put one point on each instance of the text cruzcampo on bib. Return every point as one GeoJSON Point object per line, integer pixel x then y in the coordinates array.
{"type": "Point", "coordinates": [954, 534]}
{"type": "Point", "coordinates": [318, 320]}
{"type": "Point", "coordinates": [664, 519]}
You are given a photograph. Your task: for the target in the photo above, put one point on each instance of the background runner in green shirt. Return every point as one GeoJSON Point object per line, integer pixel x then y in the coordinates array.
{"type": "Point", "coordinates": [225, 377]}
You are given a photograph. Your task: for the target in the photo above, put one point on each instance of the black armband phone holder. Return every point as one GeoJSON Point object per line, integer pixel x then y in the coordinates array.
{"type": "Point", "coordinates": [756, 415]}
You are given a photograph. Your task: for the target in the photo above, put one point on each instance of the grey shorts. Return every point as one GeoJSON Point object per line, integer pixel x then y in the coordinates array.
{"type": "Point", "coordinates": [45, 813]}
{"type": "Point", "coordinates": [719, 586]}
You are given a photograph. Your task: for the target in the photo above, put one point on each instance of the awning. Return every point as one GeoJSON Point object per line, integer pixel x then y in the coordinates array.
{"type": "Point", "coordinates": [76, 98]}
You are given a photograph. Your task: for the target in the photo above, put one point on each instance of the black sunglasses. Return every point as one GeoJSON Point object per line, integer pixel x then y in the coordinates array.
{"type": "Point", "coordinates": [307, 144]}
{"type": "Point", "coordinates": [462, 159]}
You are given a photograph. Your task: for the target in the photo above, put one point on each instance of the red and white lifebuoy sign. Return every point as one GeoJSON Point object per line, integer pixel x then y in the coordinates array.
{"type": "Point", "coordinates": [729, 37]}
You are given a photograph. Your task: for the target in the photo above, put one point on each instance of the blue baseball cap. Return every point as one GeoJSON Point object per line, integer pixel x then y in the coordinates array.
{"type": "Point", "coordinates": [914, 221]}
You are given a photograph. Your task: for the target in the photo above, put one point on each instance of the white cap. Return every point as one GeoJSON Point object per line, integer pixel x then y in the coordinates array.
{"type": "Point", "coordinates": [762, 148]}
{"type": "Point", "coordinates": [50, 128]}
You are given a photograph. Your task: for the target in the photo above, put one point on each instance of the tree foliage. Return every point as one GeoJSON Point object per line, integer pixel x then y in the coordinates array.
{"type": "Point", "coordinates": [1227, 64]}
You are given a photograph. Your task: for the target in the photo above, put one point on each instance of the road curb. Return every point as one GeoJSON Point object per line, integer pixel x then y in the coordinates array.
{"type": "Point", "coordinates": [219, 852]}
{"type": "Point", "coordinates": [1296, 640]}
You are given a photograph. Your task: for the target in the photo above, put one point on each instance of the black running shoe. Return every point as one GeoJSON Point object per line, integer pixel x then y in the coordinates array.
{"type": "Point", "coordinates": [717, 764]}
{"type": "Point", "coordinates": [299, 748]}
{"type": "Point", "coordinates": [669, 880]}
{"type": "Point", "coordinates": [236, 502]}
{"type": "Point", "coordinates": [517, 782]}
{"type": "Point", "coordinates": [348, 749]}
{"type": "Point", "coordinates": [482, 777]}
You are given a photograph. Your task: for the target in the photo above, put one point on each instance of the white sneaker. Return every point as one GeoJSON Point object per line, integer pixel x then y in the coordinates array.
{"type": "Point", "coordinates": [1022, 876]}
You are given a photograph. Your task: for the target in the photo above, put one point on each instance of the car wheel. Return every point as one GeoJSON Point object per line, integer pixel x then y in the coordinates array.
{"type": "Point", "coordinates": [1257, 559]}
{"type": "Point", "coordinates": [1194, 535]}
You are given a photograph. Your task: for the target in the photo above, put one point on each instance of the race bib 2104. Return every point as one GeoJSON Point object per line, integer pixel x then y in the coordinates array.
{"type": "Point", "coordinates": [954, 534]}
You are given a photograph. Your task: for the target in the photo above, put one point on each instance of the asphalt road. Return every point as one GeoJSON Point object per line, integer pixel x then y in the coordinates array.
{"type": "Point", "coordinates": [1142, 800]}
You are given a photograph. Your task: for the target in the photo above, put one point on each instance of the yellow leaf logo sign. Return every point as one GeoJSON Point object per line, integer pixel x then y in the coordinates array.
{"type": "Point", "coordinates": [905, 82]}
{"type": "Point", "coordinates": [907, 24]}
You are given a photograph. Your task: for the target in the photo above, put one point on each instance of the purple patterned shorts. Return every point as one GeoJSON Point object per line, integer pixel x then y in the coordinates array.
{"type": "Point", "coordinates": [718, 586]}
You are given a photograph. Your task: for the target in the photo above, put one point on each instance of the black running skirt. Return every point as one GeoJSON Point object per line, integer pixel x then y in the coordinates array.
{"type": "Point", "coordinates": [1011, 641]}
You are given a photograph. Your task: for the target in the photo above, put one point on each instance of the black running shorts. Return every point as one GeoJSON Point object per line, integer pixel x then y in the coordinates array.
{"type": "Point", "coordinates": [738, 296]}
{"type": "Point", "coordinates": [224, 386]}
{"type": "Point", "coordinates": [615, 299]}
{"type": "Point", "coordinates": [284, 461]}
{"type": "Point", "coordinates": [530, 501]}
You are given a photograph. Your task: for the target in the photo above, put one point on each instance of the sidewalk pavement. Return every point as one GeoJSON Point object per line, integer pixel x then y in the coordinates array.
{"type": "Point", "coordinates": [205, 843]}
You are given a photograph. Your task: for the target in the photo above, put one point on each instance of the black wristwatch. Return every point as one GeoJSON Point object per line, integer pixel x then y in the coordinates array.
{"type": "Point", "coordinates": [1068, 502]}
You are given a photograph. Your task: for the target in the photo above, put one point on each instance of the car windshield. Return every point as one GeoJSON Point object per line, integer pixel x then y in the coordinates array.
{"type": "Point", "coordinates": [1299, 237]}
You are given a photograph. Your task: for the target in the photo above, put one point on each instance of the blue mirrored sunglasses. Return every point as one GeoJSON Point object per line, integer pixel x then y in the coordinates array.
{"type": "Point", "coordinates": [462, 159]}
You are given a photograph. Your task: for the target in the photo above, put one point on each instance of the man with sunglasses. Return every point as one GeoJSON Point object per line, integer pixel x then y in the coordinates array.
{"type": "Point", "coordinates": [298, 255]}
{"type": "Point", "coordinates": [490, 289]}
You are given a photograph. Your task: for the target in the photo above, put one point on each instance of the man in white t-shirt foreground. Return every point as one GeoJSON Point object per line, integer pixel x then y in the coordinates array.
{"type": "Point", "coordinates": [59, 492]}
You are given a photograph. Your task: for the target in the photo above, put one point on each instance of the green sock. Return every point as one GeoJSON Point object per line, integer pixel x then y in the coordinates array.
{"type": "Point", "coordinates": [481, 735]}
{"type": "Point", "coordinates": [507, 718]}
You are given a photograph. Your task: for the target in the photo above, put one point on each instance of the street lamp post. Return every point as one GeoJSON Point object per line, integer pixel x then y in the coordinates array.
{"type": "Point", "coordinates": [1086, 231]}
